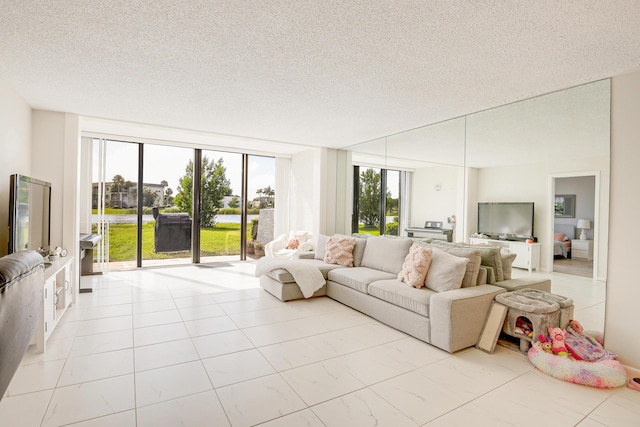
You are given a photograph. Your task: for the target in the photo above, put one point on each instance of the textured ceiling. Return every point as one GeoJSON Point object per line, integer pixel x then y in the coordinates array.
{"type": "Point", "coordinates": [320, 73]}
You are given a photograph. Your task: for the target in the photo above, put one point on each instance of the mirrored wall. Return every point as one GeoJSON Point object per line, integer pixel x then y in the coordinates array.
{"type": "Point", "coordinates": [517, 152]}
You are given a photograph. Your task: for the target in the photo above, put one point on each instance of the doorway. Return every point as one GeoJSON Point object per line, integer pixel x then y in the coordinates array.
{"type": "Point", "coordinates": [575, 224]}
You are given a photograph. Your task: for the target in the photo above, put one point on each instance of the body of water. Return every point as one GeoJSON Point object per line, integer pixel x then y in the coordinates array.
{"type": "Point", "coordinates": [132, 219]}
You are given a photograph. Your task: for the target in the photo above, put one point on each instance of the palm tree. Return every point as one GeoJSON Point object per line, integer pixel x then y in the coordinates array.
{"type": "Point", "coordinates": [118, 183]}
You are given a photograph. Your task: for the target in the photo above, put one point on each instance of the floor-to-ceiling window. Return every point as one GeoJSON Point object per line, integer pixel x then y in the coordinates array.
{"type": "Point", "coordinates": [376, 196]}
{"type": "Point", "coordinates": [115, 201]}
{"type": "Point", "coordinates": [143, 202]}
{"type": "Point", "coordinates": [261, 192]}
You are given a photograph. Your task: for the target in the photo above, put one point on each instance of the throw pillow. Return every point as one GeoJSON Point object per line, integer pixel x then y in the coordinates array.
{"type": "Point", "coordinates": [559, 236]}
{"type": "Point", "coordinates": [321, 247]}
{"type": "Point", "coordinates": [293, 244]}
{"type": "Point", "coordinates": [507, 261]}
{"type": "Point", "coordinates": [446, 271]}
{"type": "Point", "coordinates": [415, 266]}
{"type": "Point", "coordinates": [340, 250]}
{"type": "Point", "coordinates": [473, 267]}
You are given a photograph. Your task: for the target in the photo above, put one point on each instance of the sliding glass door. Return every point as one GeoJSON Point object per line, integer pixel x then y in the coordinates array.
{"type": "Point", "coordinates": [167, 213]}
{"type": "Point", "coordinates": [114, 203]}
{"type": "Point", "coordinates": [220, 198]}
{"type": "Point", "coordinates": [163, 205]}
{"type": "Point", "coordinates": [376, 201]}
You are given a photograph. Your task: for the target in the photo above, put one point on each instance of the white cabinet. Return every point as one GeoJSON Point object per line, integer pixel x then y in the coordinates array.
{"type": "Point", "coordinates": [528, 255]}
{"type": "Point", "coordinates": [582, 249]}
{"type": "Point", "coordinates": [57, 295]}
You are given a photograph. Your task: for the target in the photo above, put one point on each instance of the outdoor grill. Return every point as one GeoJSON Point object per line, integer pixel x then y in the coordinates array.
{"type": "Point", "coordinates": [172, 232]}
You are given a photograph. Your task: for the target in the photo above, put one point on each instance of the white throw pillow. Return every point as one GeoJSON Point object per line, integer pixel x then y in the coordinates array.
{"type": "Point", "coordinates": [446, 271]}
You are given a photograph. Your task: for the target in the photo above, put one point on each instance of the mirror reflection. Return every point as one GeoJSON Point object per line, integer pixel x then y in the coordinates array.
{"type": "Point", "coordinates": [528, 151]}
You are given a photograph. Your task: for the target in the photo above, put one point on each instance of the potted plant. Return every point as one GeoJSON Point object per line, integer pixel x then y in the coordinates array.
{"type": "Point", "coordinates": [259, 249]}
{"type": "Point", "coordinates": [250, 247]}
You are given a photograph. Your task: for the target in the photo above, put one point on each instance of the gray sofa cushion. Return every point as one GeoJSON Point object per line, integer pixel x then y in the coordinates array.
{"type": "Point", "coordinates": [399, 293]}
{"type": "Point", "coordinates": [507, 262]}
{"type": "Point", "coordinates": [358, 278]}
{"type": "Point", "coordinates": [386, 254]}
{"type": "Point", "coordinates": [321, 246]}
{"type": "Point", "coordinates": [491, 256]}
{"type": "Point", "coordinates": [472, 254]}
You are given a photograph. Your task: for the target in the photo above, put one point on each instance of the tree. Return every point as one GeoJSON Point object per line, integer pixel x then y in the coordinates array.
{"type": "Point", "coordinates": [167, 196]}
{"type": "Point", "coordinates": [148, 197]}
{"type": "Point", "coordinates": [234, 202]}
{"type": "Point", "coordinates": [269, 192]}
{"type": "Point", "coordinates": [370, 197]}
{"type": "Point", "coordinates": [118, 186]}
{"type": "Point", "coordinates": [214, 184]}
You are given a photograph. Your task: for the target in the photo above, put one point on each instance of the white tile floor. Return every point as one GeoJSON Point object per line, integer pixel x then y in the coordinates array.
{"type": "Point", "coordinates": [201, 346]}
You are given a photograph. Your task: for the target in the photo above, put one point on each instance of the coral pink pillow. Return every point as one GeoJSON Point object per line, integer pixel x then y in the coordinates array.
{"type": "Point", "coordinates": [340, 250]}
{"type": "Point", "coordinates": [416, 265]}
{"type": "Point", "coordinates": [559, 236]}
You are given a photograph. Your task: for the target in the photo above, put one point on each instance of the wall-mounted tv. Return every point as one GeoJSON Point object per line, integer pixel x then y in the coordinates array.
{"type": "Point", "coordinates": [506, 220]}
{"type": "Point", "coordinates": [29, 214]}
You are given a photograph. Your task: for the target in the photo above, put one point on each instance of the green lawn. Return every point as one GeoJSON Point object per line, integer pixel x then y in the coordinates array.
{"type": "Point", "coordinates": [374, 231]}
{"type": "Point", "coordinates": [224, 239]}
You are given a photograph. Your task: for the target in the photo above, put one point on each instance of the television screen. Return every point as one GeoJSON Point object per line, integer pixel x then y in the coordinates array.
{"type": "Point", "coordinates": [29, 214]}
{"type": "Point", "coordinates": [508, 220]}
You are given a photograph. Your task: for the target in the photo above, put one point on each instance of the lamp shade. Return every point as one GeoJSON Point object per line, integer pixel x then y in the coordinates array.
{"type": "Point", "coordinates": [584, 224]}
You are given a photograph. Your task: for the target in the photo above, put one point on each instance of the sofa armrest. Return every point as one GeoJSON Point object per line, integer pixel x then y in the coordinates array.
{"type": "Point", "coordinates": [525, 282]}
{"type": "Point", "coordinates": [457, 316]}
{"type": "Point", "coordinates": [304, 255]}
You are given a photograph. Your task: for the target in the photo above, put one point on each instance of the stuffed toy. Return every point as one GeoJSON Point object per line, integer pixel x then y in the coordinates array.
{"type": "Point", "coordinates": [544, 344]}
{"type": "Point", "coordinates": [293, 244]}
{"type": "Point", "coordinates": [547, 347]}
{"type": "Point", "coordinates": [557, 338]}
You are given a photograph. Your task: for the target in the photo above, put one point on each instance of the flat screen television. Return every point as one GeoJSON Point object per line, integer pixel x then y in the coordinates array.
{"type": "Point", "coordinates": [29, 214]}
{"type": "Point", "coordinates": [506, 220]}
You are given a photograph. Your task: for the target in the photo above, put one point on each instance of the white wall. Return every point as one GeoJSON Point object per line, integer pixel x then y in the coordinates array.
{"type": "Point", "coordinates": [530, 183]}
{"type": "Point", "coordinates": [282, 197]}
{"type": "Point", "coordinates": [313, 189]}
{"type": "Point", "coordinates": [55, 158]}
{"type": "Point", "coordinates": [434, 195]}
{"type": "Point", "coordinates": [623, 290]}
{"type": "Point", "coordinates": [15, 150]}
{"type": "Point", "coordinates": [48, 163]}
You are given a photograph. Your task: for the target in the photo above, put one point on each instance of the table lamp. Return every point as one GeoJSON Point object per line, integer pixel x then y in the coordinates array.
{"type": "Point", "coordinates": [584, 224]}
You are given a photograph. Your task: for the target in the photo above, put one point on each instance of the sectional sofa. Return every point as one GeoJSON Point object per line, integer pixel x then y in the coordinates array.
{"type": "Point", "coordinates": [450, 317]}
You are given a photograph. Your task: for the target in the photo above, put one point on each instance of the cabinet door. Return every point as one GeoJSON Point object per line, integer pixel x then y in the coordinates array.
{"type": "Point", "coordinates": [49, 306]}
{"type": "Point", "coordinates": [522, 254]}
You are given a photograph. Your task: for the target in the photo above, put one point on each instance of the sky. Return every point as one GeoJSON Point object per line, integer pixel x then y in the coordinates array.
{"type": "Point", "coordinates": [167, 163]}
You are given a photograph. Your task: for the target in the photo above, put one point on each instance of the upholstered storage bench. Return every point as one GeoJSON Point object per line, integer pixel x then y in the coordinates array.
{"type": "Point", "coordinates": [536, 309]}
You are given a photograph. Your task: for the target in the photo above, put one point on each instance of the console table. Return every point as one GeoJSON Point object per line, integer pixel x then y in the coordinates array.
{"type": "Point", "coordinates": [527, 254]}
{"type": "Point", "coordinates": [57, 295]}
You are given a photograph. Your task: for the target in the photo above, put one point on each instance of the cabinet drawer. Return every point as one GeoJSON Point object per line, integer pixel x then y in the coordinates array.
{"type": "Point", "coordinates": [580, 245]}
{"type": "Point", "coordinates": [579, 253]}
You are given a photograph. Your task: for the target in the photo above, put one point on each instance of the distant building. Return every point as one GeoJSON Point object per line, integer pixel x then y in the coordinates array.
{"type": "Point", "coordinates": [127, 197]}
